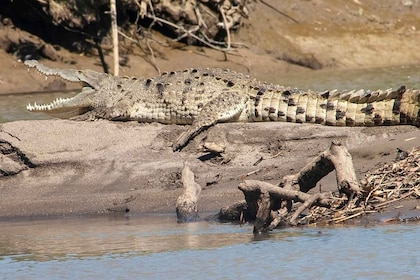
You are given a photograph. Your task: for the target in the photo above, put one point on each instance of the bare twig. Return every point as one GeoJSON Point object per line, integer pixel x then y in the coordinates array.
{"type": "Point", "coordinates": [305, 205]}
{"type": "Point", "coordinates": [153, 57]}
{"type": "Point", "coordinates": [278, 11]}
{"type": "Point", "coordinates": [394, 200]}
{"type": "Point", "coordinates": [186, 32]}
{"type": "Point", "coordinates": [226, 27]}
{"type": "Point", "coordinates": [342, 219]}
{"type": "Point", "coordinates": [153, 60]}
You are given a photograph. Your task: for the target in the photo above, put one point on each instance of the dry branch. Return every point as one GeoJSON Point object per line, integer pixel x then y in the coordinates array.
{"type": "Point", "coordinates": [306, 205]}
{"type": "Point", "coordinates": [336, 157]}
{"type": "Point", "coordinates": [252, 188]}
{"type": "Point", "coordinates": [263, 198]}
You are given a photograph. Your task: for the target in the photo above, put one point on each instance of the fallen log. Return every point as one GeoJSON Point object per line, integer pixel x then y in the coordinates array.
{"type": "Point", "coordinates": [186, 204]}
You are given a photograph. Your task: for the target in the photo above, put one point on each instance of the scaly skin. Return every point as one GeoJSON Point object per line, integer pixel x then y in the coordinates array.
{"type": "Point", "coordinates": [204, 97]}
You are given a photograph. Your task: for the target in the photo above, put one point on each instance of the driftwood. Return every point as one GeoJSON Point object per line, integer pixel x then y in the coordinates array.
{"type": "Point", "coordinates": [269, 206]}
{"type": "Point", "coordinates": [265, 206]}
{"type": "Point", "coordinates": [272, 205]}
{"type": "Point", "coordinates": [236, 212]}
{"type": "Point", "coordinates": [288, 204]}
{"type": "Point", "coordinates": [186, 205]}
{"type": "Point", "coordinates": [336, 157]}
{"type": "Point", "coordinates": [197, 22]}
{"type": "Point", "coordinates": [393, 181]}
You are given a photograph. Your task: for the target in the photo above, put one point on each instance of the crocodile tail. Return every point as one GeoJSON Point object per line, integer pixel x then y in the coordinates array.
{"type": "Point", "coordinates": [410, 108]}
{"type": "Point", "coordinates": [374, 108]}
{"type": "Point", "coordinates": [348, 108]}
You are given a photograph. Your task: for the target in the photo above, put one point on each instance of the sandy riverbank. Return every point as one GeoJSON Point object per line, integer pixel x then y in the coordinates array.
{"type": "Point", "coordinates": [103, 167]}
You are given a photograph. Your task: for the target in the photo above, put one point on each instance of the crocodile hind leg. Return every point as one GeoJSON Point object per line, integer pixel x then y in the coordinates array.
{"type": "Point", "coordinates": [223, 108]}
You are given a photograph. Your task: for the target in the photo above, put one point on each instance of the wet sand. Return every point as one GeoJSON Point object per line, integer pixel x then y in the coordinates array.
{"type": "Point", "coordinates": [119, 167]}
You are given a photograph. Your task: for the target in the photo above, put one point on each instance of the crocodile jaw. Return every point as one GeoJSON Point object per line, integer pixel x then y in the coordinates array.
{"type": "Point", "coordinates": [59, 112]}
{"type": "Point", "coordinates": [68, 107]}
{"type": "Point", "coordinates": [65, 107]}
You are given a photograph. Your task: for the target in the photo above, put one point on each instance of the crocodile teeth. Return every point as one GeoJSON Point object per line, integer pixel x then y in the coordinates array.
{"type": "Point", "coordinates": [58, 102]}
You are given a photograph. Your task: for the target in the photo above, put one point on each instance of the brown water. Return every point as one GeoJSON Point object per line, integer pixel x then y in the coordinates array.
{"type": "Point", "coordinates": [156, 247]}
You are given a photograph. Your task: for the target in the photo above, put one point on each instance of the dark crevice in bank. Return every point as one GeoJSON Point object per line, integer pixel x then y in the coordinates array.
{"type": "Point", "coordinates": [13, 160]}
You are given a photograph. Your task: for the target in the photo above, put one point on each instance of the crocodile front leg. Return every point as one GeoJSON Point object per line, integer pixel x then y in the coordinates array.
{"type": "Point", "coordinates": [226, 107]}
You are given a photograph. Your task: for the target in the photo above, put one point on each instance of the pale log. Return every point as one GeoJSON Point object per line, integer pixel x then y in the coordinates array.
{"type": "Point", "coordinates": [186, 205]}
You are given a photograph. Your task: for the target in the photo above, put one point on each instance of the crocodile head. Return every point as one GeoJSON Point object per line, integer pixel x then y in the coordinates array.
{"type": "Point", "coordinates": [69, 107]}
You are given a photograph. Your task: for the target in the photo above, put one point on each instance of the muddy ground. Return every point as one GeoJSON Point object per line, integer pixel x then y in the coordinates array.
{"type": "Point", "coordinates": [105, 167]}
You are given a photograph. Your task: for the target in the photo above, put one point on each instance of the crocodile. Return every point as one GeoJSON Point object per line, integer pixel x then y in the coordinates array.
{"type": "Point", "coordinates": [203, 97]}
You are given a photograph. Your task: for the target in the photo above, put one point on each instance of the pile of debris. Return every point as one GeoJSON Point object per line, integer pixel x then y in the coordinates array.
{"type": "Point", "coordinates": [288, 203]}
{"type": "Point", "coordinates": [380, 188]}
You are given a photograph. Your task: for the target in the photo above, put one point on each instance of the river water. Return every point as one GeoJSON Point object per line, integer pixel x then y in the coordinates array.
{"type": "Point", "coordinates": [157, 247]}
